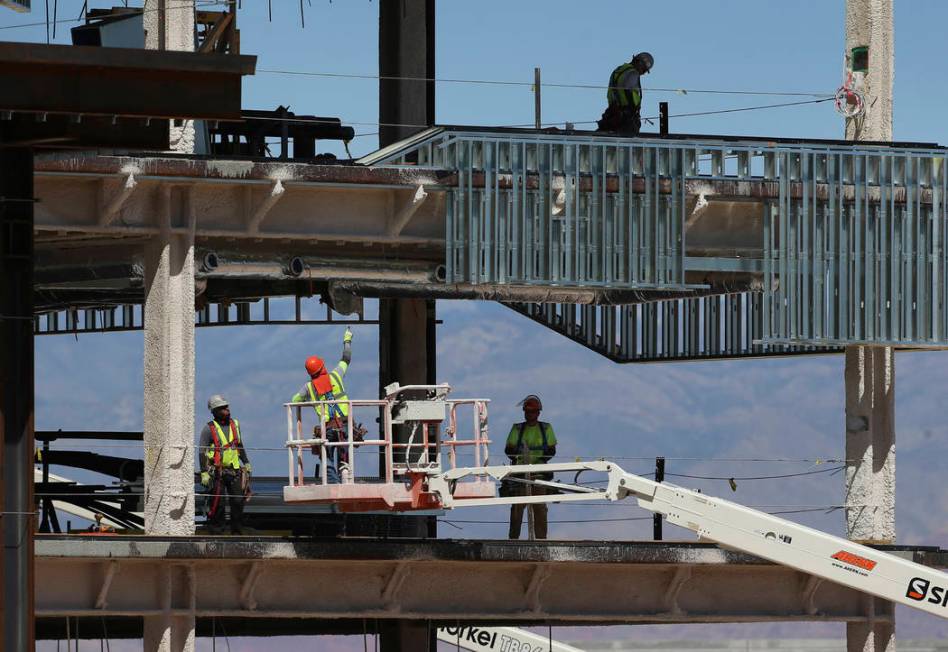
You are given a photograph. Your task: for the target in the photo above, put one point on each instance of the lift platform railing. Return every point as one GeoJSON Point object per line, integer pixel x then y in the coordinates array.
{"type": "Point", "coordinates": [420, 449]}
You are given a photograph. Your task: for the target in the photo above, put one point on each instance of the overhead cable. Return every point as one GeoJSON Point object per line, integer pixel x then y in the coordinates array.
{"type": "Point", "coordinates": [832, 469]}
{"type": "Point", "coordinates": [580, 122]}
{"type": "Point", "coordinates": [500, 82]}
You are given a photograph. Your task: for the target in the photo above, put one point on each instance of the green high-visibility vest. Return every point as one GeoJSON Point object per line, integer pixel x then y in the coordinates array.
{"type": "Point", "coordinates": [622, 96]}
{"type": "Point", "coordinates": [338, 394]}
{"type": "Point", "coordinates": [225, 454]}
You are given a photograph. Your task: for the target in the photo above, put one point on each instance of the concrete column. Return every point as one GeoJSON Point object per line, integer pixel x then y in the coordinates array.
{"type": "Point", "coordinates": [870, 371]}
{"type": "Point", "coordinates": [16, 395]}
{"type": "Point", "coordinates": [169, 25]}
{"type": "Point", "coordinates": [869, 24]}
{"type": "Point", "coordinates": [406, 49]}
{"type": "Point", "coordinates": [169, 393]}
{"type": "Point", "coordinates": [870, 444]}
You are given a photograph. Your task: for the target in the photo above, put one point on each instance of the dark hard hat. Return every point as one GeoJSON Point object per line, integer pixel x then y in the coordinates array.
{"type": "Point", "coordinates": [647, 60]}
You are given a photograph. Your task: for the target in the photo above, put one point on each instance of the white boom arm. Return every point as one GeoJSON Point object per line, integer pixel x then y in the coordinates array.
{"type": "Point", "coordinates": [729, 524]}
{"type": "Point", "coordinates": [500, 639]}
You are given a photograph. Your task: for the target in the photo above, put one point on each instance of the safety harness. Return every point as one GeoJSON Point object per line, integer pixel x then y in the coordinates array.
{"type": "Point", "coordinates": [522, 425]}
{"type": "Point", "coordinates": [328, 395]}
{"type": "Point", "coordinates": [225, 452]}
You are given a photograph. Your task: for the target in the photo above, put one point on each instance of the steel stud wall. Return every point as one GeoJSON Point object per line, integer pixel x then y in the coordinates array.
{"type": "Point", "coordinates": [701, 328]}
{"type": "Point", "coordinates": [853, 248]}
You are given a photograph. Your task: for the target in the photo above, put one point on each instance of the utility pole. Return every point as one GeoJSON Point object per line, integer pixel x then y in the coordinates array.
{"type": "Point", "coordinates": [870, 370]}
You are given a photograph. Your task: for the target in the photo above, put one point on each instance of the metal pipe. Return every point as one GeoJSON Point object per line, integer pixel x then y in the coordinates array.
{"type": "Point", "coordinates": [214, 265]}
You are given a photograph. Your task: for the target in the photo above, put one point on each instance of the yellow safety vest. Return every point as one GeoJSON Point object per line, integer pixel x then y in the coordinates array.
{"type": "Point", "coordinates": [622, 96]}
{"type": "Point", "coordinates": [338, 394]}
{"type": "Point", "coordinates": [224, 454]}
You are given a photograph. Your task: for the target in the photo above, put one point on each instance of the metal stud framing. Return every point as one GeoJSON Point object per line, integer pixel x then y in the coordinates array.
{"type": "Point", "coordinates": [128, 317]}
{"type": "Point", "coordinates": [855, 250]}
{"type": "Point", "coordinates": [539, 212]}
{"type": "Point", "coordinates": [700, 328]}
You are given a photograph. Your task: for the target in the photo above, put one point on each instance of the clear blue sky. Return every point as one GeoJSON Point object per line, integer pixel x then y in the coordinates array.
{"type": "Point", "coordinates": [769, 408]}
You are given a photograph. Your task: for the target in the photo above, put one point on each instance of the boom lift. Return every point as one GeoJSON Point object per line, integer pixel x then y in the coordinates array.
{"type": "Point", "coordinates": [500, 639]}
{"type": "Point", "coordinates": [414, 479]}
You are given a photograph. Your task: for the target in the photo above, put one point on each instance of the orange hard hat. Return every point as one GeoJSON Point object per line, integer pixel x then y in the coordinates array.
{"type": "Point", "coordinates": [314, 364]}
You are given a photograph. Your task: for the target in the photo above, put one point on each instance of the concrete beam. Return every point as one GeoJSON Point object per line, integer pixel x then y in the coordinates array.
{"type": "Point", "coordinates": [439, 580]}
{"type": "Point", "coordinates": [298, 204]}
{"type": "Point", "coordinates": [94, 81]}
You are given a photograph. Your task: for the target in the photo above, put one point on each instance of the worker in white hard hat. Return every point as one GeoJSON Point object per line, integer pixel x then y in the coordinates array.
{"type": "Point", "coordinates": [530, 442]}
{"type": "Point", "coordinates": [225, 467]}
{"type": "Point", "coordinates": [623, 115]}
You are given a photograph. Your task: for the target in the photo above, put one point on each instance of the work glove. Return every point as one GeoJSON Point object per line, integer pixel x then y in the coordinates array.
{"type": "Point", "coordinates": [205, 479]}
{"type": "Point", "coordinates": [248, 468]}
{"type": "Point", "coordinates": [347, 337]}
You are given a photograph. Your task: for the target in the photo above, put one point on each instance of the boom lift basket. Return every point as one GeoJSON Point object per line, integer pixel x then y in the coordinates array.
{"type": "Point", "coordinates": [406, 463]}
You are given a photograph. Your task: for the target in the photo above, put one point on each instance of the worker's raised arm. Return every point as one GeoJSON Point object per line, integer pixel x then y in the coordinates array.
{"type": "Point", "coordinates": [346, 350]}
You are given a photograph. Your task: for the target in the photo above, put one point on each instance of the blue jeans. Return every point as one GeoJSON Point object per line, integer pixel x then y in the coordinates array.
{"type": "Point", "coordinates": [334, 454]}
{"type": "Point", "coordinates": [332, 466]}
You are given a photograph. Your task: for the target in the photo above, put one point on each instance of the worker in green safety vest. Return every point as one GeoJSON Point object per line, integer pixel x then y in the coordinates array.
{"type": "Point", "coordinates": [529, 442]}
{"type": "Point", "coordinates": [225, 467]}
{"type": "Point", "coordinates": [624, 95]}
{"type": "Point", "coordinates": [326, 385]}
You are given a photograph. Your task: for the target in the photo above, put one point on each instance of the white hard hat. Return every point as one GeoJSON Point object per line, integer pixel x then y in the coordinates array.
{"type": "Point", "coordinates": [216, 401]}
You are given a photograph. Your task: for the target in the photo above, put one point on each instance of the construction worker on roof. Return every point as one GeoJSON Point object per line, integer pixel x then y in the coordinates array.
{"type": "Point", "coordinates": [530, 442]}
{"type": "Point", "coordinates": [225, 467]}
{"type": "Point", "coordinates": [328, 386]}
{"type": "Point", "coordinates": [624, 95]}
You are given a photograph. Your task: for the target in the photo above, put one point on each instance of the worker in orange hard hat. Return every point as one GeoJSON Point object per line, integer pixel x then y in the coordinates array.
{"type": "Point", "coordinates": [529, 442]}
{"type": "Point", "coordinates": [326, 385]}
